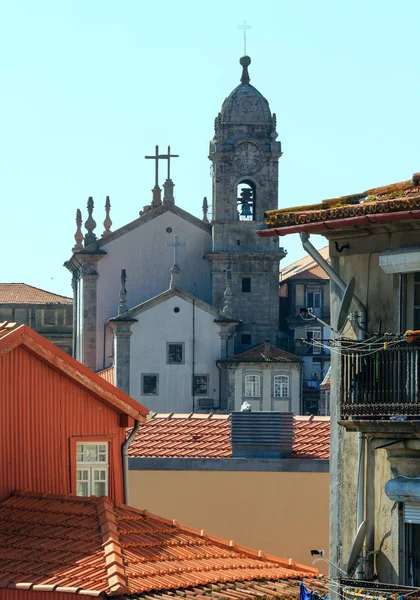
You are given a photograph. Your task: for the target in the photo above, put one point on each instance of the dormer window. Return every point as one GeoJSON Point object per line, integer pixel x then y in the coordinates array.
{"type": "Point", "coordinates": [92, 469]}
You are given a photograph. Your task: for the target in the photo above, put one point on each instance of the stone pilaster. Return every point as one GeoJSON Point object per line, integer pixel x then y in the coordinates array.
{"type": "Point", "coordinates": [122, 335]}
{"type": "Point", "coordinates": [89, 303]}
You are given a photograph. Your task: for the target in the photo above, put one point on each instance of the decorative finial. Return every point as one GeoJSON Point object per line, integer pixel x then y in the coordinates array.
{"type": "Point", "coordinates": [227, 296]}
{"type": "Point", "coordinates": [175, 271]}
{"type": "Point", "coordinates": [205, 210]}
{"type": "Point", "coordinates": [168, 192]}
{"type": "Point", "coordinates": [78, 236]}
{"type": "Point", "coordinates": [107, 222]}
{"type": "Point", "coordinates": [245, 28]}
{"type": "Point", "coordinates": [245, 61]}
{"type": "Point", "coordinates": [122, 307]}
{"type": "Point", "coordinates": [90, 224]}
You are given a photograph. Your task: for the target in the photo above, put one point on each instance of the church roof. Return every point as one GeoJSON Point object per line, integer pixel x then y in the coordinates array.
{"type": "Point", "coordinates": [263, 353]}
{"type": "Point", "coordinates": [145, 218]}
{"type": "Point", "coordinates": [208, 436]}
{"type": "Point", "coordinates": [95, 546]}
{"type": "Point", "coordinates": [22, 293]}
{"type": "Point", "coordinates": [246, 104]}
{"type": "Point", "coordinates": [219, 316]}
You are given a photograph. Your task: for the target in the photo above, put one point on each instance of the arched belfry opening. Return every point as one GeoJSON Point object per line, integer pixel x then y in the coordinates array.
{"type": "Point", "coordinates": [246, 198]}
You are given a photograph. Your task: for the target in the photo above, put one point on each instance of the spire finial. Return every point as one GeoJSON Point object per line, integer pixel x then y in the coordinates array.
{"type": "Point", "coordinates": [227, 296]}
{"type": "Point", "coordinates": [107, 222]}
{"type": "Point", "coordinates": [78, 236]}
{"type": "Point", "coordinates": [245, 61]}
{"type": "Point", "coordinates": [175, 271]}
{"type": "Point", "coordinates": [90, 224]}
{"type": "Point", "coordinates": [244, 28]}
{"type": "Point", "coordinates": [205, 210]}
{"type": "Point", "coordinates": [122, 307]}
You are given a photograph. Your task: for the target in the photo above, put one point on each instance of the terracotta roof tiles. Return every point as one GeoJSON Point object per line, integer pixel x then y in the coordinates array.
{"type": "Point", "coordinates": [208, 436]}
{"type": "Point", "coordinates": [22, 293]}
{"type": "Point", "coordinates": [263, 353]}
{"type": "Point", "coordinates": [108, 374]}
{"type": "Point", "coordinates": [306, 267]}
{"type": "Point", "coordinates": [94, 545]}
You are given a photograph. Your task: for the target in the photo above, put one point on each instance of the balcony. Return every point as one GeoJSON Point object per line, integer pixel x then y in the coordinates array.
{"type": "Point", "coordinates": [382, 385]}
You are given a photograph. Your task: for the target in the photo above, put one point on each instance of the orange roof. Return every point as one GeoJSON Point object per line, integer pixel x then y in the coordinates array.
{"type": "Point", "coordinates": [95, 546]}
{"type": "Point", "coordinates": [22, 293]}
{"type": "Point", "coordinates": [390, 203]}
{"type": "Point", "coordinates": [208, 436]}
{"type": "Point", "coordinates": [259, 354]}
{"type": "Point", "coordinates": [306, 267]}
{"type": "Point", "coordinates": [13, 335]}
{"type": "Point", "coordinates": [108, 374]}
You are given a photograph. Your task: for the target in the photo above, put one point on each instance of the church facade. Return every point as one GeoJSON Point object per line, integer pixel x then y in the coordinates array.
{"type": "Point", "coordinates": [168, 296]}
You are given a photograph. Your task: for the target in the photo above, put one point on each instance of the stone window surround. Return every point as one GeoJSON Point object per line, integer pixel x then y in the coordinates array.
{"type": "Point", "coordinates": [253, 373]}
{"type": "Point", "coordinates": [169, 362]}
{"type": "Point", "coordinates": [156, 393]}
{"type": "Point", "coordinates": [196, 392]}
{"type": "Point", "coordinates": [281, 374]}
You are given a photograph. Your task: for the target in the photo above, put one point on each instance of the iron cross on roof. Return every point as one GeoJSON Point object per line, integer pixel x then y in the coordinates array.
{"type": "Point", "coordinates": [244, 28]}
{"type": "Point", "coordinates": [156, 157]}
{"type": "Point", "coordinates": [175, 244]}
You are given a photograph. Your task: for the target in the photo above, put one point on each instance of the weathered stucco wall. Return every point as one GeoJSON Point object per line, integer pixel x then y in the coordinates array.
{"type": "Point", "coordinates": [285, 514]}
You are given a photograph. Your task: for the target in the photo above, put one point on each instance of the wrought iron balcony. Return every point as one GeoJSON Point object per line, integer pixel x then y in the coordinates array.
{"type": "Point", "coordinates": [382, 384]}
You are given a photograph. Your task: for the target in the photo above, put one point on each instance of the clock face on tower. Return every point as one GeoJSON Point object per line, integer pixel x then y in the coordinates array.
{"type": "Point", "coordinates": [248, 157]}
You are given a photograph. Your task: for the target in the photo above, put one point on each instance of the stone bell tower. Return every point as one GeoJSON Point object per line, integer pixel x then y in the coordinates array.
{"type": "Point", "coordinates": [244, 154]}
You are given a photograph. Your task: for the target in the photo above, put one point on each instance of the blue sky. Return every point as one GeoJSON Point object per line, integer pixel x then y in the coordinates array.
{"type": "Point", "coordinates": [89, 87]}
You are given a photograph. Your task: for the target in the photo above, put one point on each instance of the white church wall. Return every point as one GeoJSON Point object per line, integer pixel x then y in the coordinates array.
{"type": "Point", "coordinates": [155, 328]}
{"type": "Point", "coordinates": [147, 259]}
{"type": "Point", "coordinates": [266, 400]}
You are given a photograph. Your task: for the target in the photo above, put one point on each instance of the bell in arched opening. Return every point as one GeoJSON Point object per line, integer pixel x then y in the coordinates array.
{"type": "Point", "coordinates": [246, 202]}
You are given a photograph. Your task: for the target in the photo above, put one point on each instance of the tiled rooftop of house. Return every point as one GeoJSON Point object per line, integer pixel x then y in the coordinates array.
{"type": "Point", "coordinates": [22, 293]}
{"type": "Point", "coordinates": [108, 374]}
{"type": "Point", "coordinates": [208, 436]}
{"type": "Point", "coordinates": [398, 201]}
{"type": "Point", "coordinates": [6, 327]}
{"type": "Point", "coordinates": [263, 353]}
{"type": "Point", "coordinates": [94, 546]}
{"type": "Point", "coordinates": [306, 267]}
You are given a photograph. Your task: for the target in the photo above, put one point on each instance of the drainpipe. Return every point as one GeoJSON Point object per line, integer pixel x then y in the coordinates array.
{"type": "Point", "coordinates": [334, 276]}
{"type": "Point", "coordinates": [361, 312]}
{"type": "Point", "coordinates": [125, 459]}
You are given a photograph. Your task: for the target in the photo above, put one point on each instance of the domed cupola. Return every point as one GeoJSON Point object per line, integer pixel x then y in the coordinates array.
{"type": "Point", "coordinates": [245, 104]}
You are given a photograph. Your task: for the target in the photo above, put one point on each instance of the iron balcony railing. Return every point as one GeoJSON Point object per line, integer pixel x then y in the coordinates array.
{"type": "Point", "coordinates": [380, 384]}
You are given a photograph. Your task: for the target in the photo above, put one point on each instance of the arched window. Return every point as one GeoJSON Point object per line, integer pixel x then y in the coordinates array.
{"type": "Point", "coordinates": [252, 386]}
{"type": "Point", "coordinates": [246, 201]}
{"type": "Point", "coordinates": [281, 386]}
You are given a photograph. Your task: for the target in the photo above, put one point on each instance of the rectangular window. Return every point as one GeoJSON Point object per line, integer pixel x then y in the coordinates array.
{"type": "Point", "coordinates": [252, 386]}
{"type": "Point", "coordinates": [68, 316]}
{"type": "Point", "coordinates": [175, 353]}
{"type": "Point", "coordinates": [314, 337]}
{"type": "Point", "coordinates": [314, 300]}
{"type": "Point", "coordinates": [246, 339]}
{"type": "Point", "coordinates": [416, 307]}
{"type": "Point", "coordinates": [150, 385]}
{"type": "Point", "coordinates": [49, 317]}
{"type": "Point", "coordinates": [281, 386]}
{"type": "Point", "coordinates": [92, 466]}
{"type": "Point", "coordinates": [200, 385]}
{"type": "Point", "coordinates": [21, 316]}
{"type": "Point", "coordinates": [246, 285]}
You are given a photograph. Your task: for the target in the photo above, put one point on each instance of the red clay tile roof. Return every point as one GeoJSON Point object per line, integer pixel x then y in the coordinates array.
{"type": "Point", "coordinates": [258, 354]}
{"type": "Point", "coordinates": [208, 436]}
{"type": "Point", "coordinates": [21, 293]}
{"type": "Point", "coordinates": [398, 201]}
{"type": "Point", "coordinates": [108, 374]}
{"type": "Point", "coordinates": [6, 327]}
{"type": "Point", "coordinates": [306, 267]}
{"type": "Point", "coordinates": [94, 545]}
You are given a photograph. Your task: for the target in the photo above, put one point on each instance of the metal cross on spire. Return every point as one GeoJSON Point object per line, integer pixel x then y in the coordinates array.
{"type": "Point", "coordinates": [156, 158]}
{"type": "Point", "coordinates": [244, 28]}
{"type": "Point", "coordinates": [168, 157]}
{"type": "Point", "coordinates": [175, 244]}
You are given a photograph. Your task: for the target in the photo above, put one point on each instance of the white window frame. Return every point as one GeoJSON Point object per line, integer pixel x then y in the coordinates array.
{"type": "Point", "coordinates": [90, 467]}
{"type": "Point", "coordinates": [316, 335]}
{"type": "Point", "coordinates": [252, 385]}
{"type": "Point", "coordinates": [283, 385]}
{"type": "Point", "coordinates": [316, 292]}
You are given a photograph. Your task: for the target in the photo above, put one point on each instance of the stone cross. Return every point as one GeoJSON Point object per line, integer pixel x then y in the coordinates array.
{"type": "Point", "coordinates": [175, 244]}
{"type": "Point", "coordinates": [155, 157]}
{"type": "Point", "coordinates": [244, 28]}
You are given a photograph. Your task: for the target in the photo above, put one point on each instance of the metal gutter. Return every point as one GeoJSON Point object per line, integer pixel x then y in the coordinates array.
{"type": "Point", "coordinates": [125, 447]}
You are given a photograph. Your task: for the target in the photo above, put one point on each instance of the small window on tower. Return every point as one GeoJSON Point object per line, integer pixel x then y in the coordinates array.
{"type": "Point", "coordinates": [246, 285]}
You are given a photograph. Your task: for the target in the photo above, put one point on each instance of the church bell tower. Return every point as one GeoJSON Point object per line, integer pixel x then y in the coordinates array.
{"type": "Point", "coordinates": [244, 154]}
